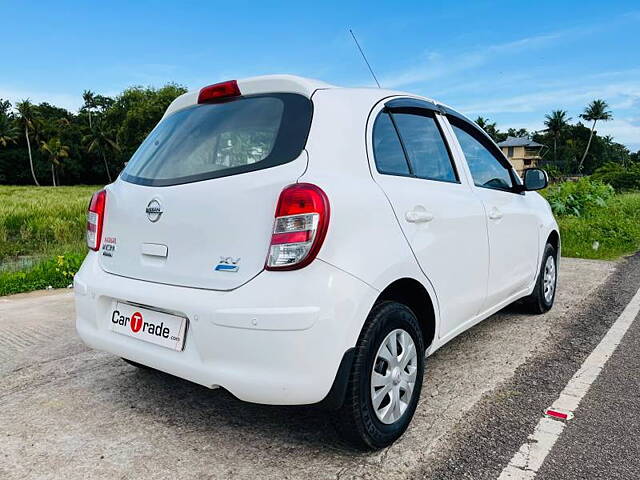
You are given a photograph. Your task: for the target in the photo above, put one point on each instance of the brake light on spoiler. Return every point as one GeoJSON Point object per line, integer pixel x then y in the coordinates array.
{"type": "Point", "coordinates": [300, 226]}
{"type": "Point", "coordinates": [219, 91]}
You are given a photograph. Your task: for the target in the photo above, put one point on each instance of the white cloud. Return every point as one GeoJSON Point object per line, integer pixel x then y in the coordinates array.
{"type": "Point", "coordinates": [623, 130]}
{"type": "Point", "coordinates": [438, 65]}
{"type": "Point", "coordinates": [568, 97]}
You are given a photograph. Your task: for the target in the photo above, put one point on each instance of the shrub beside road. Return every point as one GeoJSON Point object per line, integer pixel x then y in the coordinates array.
{"type": "Point", "coordinates": [605, 233]}
{"type": "Point", "coordinates": [42, 229]}
{"type": "Point", "coordinates": [621, 178]}
{"type": "Point", "coordinates": [595, 222]}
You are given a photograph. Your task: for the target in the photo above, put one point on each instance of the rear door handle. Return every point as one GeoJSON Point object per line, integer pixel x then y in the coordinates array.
{"type": "Point", "coordinates": [418, 216]}
{"type": "Point", "coordinates": [495, 214]}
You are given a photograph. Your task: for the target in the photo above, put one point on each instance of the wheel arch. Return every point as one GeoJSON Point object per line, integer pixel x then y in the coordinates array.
{"type": "Point", "coordinates": [409, 292]}
{"type": "Point", "coordinates": [554, 240]}
{"type": "Point", "coordinates": [413, 294]}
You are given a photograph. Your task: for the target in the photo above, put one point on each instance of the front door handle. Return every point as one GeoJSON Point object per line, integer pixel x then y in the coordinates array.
{"type": "Point", "coordinates": [418, 216]}
{"type": "Point", "coordinates": [495, 214]}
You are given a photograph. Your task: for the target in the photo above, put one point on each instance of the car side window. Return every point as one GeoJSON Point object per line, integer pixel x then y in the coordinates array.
{"type": "Point", "coordinates": [387, 149]}
{"type": "Point", "coordinates": [425, 147]}
{"type": "Point", "coordinates": [487, 171]}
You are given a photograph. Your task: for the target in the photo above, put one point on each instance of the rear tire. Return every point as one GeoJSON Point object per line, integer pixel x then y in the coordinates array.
{"type": "Point", "coordinates": [386, 378]}
{"type": "Point", "coordinates": [544, 293]}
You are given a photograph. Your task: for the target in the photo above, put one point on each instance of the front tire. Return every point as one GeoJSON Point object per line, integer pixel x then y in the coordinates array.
{"type": "Point", "coordinates": [544, 293]}
{"type": "Point", "coordinates": [386, 378]}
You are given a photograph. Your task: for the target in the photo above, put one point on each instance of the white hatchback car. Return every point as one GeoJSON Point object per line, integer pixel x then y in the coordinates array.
{"type": "Point", "coordinates": [398, 225]}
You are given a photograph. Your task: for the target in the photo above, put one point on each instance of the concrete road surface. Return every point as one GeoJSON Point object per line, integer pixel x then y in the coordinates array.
{"type": "Point", "coordinates": [70, 412]}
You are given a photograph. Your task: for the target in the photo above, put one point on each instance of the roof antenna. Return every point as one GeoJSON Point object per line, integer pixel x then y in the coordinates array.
{"type": "Point", "coordinates": [365, 58]}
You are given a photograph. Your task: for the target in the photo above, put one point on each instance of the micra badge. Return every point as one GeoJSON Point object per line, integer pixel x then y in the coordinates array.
{"type": "Point", "coordinates": [228, 264]}
{"type": "Point", "coordinates": [109, 246]}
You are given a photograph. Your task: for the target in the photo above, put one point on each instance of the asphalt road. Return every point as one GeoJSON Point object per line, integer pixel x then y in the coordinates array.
{"type": "Point", "coordinates": [602, 440]}
{"type": "Point", "coordinates": [67, 411]}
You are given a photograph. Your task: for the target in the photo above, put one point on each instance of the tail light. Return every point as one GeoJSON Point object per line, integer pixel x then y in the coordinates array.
{"type": "Point", "coordinates": [219, 91]}
{"type": "Point", "coordinates": [95, 218]}
{"type": "Point", "coordinates": [302, 219]}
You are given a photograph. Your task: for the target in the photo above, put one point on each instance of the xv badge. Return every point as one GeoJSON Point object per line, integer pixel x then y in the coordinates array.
{"type": "Point", "coordinates": [228, 264]}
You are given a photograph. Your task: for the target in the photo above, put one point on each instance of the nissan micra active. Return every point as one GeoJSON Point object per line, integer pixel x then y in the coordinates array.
{"type": "Point", "coordinates": [299, 243]}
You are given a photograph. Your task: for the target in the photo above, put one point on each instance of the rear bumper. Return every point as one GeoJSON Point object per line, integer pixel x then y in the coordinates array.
{"type": "Point", "coordinates": [279, 339]}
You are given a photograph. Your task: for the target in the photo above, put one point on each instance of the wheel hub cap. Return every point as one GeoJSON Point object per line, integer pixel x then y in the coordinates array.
{"type": "Point", "coordinates": [549, 280]}
{"type": "Point", "coordinates": [393, 376]}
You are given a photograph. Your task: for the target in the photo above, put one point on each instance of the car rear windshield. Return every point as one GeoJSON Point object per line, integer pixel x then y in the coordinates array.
{"type": "Point", "coordinates": [221, 139]}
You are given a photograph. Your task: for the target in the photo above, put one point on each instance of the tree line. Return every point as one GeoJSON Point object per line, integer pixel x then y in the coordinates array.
{"type": "Point", "coordinates": [43, 144]}
{"type": "Point", "coordinates": [572, 148]}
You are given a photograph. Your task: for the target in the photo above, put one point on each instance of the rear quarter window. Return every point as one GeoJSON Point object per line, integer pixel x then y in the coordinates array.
{"type": "Point", "coordinates": [387, 149]}
{"type": "Point", "coordinates": [220, 139]}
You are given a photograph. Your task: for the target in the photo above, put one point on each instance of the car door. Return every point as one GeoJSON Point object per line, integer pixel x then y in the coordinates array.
{"type": "Point", "coordinates": [443, 221]}
{"type": "Point", "coordinates": [512, 224]}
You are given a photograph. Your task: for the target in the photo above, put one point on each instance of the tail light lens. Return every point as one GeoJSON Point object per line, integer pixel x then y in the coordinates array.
{"type": "Point", "coordinates": [302, 219]}
{"type": "Point", "coordinates": [95, 218]}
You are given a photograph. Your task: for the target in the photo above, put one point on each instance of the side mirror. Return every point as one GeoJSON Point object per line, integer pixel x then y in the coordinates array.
{"type": "Point", "coordinates": [535, 179]}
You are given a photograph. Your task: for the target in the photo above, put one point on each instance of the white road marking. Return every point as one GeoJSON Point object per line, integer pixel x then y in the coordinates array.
{"type": "Point", "coordinates": [528, 460]}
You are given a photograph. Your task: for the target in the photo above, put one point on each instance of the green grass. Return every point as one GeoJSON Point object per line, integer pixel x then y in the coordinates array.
{"type": "Point", "coordinates": [54, 272]}
{"type": "Point", "coordinates": [42, 221]}
{"type": "Point", "coordinates": [606, 233]}
{"type": "Point", "coordinates": [41, 236]}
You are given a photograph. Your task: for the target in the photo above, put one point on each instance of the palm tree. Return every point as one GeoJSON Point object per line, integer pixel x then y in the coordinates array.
{"type": "Point", "coordinates": [56, 151]}
{"type": "Point", "coordinates": [556, 123]}
{"type": "Point", "coordinates": [596, 110]}
{"type": "Point", "coordinates": [8, 130]}
{"type": "Point", "coordinates": [26, 119]}
{"type": "Point", "coordinates": [489, 127]}
{"type": "Point", "coordinates": [89, 103]}
{"type": "Point", "coordinates": [98, 141]}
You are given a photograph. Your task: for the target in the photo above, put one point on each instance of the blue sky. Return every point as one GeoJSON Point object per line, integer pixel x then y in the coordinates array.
{"type": "Point", "coordinates": [509, 61]}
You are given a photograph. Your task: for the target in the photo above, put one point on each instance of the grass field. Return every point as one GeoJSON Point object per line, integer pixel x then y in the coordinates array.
{"type": "Point", "coordinates": [41, 236]}
{"type": "Point", "coordinates": [42, 221]}
{"type": "Point", "coordinates": [42, 232]}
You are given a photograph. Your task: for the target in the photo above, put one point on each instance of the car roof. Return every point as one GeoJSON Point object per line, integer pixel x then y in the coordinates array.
{"type": "Point", "coordinates": [296, 84]}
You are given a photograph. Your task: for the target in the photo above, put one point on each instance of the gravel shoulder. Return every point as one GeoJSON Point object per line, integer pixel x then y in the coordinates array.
{"type": "Point", "coordinates": [71, 412]}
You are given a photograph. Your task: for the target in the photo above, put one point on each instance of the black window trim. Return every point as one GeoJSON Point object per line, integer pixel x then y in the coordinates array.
{"type": "Point", "coordinates": [463, 123]}
{"type": "Point", "coordinates": [404, 149]}
{"type": "Point", "coordinates": [424, 109]}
